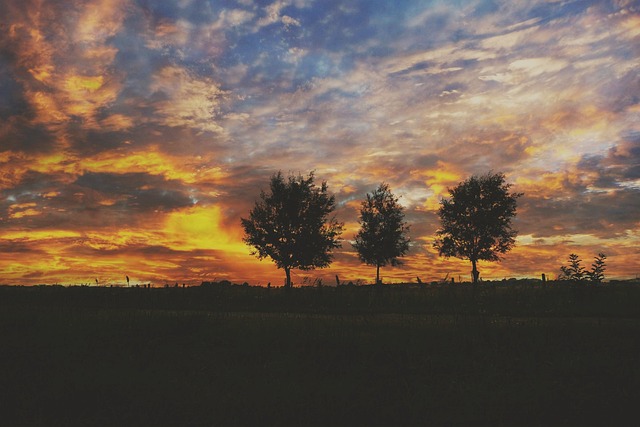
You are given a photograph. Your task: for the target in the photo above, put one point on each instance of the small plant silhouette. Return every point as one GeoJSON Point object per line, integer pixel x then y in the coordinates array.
{"type": "Point", "coordinates": [598, 267]}
{"type": "Point", "coordinates": [575, 272]}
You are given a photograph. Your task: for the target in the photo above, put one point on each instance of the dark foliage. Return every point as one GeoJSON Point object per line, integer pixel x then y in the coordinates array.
{"type": "Point", "coordinates": [382, 238]}
{"type": "Point", "coordinates": [476, 220]}
{"type": "Point", "coordinates": [575, 272]}
{"type": "Point", "coordinates": [598, 267]}
{"type": "Point", "coordinates": [291, 224]}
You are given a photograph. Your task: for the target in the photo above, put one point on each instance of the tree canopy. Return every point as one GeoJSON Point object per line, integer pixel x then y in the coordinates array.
{"type": "Point", "coordinates": [291, 224]}
{"type": "Point", "coordinates": [476, 220]}
{"type": "Point", "coordinates": [382, 238]}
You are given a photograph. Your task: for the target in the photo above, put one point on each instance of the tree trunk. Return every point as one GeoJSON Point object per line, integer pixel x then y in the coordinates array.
{"type": "Point", "coordinates": [474, 271]}
{"type": "Point", "coordinates": [287, 271]}
{"type": "Point", "coordinates": [377, 274]}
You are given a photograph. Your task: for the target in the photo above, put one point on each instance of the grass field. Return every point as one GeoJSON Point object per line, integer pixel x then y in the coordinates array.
{"type": "Point", "coordinates": [230, 355]}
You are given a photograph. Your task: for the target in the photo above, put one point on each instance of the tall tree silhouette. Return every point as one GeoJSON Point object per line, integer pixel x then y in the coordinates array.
{"type": "Point", "coordinates": [476, 220]}
{"type": "Point", "coordinates": [382, 238]}
{"type": "Point", "coordinates": [291, 224]}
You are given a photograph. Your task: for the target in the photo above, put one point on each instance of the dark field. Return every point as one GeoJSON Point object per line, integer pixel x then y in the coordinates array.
{"type": "Point", "coordinates": [501, 355]}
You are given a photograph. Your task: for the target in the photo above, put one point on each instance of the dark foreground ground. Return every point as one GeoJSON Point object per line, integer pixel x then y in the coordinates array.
{"type": "Point", "coordinates": [500, 355]}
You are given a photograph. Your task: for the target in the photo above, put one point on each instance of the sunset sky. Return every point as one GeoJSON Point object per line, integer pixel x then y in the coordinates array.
{"type": "Point", "coordinates": [134, 134]}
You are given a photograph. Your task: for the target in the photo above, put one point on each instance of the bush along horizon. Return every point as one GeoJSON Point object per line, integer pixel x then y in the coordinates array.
{"type": "Point", "coordinates": [575, 272]}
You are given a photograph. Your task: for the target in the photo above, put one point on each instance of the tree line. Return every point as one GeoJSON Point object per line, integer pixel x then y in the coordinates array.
{"type": "Point", "coordinates": [294, 224]}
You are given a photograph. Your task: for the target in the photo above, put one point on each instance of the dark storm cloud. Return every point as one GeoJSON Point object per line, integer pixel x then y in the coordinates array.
{"type": "Point", "coordinates": [605, 215]}
{"type": "Point", "coordinates": [618, 168]}
{"type": "Point", "coordinates": [12, 101]}
{"type": "Point", "coordinates": [19, 134]}
{"type": "Point", "coordinates": [17, 247]}
{"type": "Point", "coordinates": [105, 248]}
{"type": "Point", "coordinates": [137, 191]}
{"type": "Point", "coordinates": [624, 158]}
{"type": "Point", "coordinates": [94, 200]}
{"type": "Point", "coordinates": [31, 184]}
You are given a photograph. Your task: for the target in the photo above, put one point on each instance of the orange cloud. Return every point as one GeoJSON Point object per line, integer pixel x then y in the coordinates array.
{"type": "Point", "coordinates": [20, 210]}
{"type": "Point", "coordinates": [152, 161]}
{"type": "Point", "coordinates": [437, 180]}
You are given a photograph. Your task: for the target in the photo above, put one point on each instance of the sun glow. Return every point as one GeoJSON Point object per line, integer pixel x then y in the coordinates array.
{"type": "Point", "coordinates": [201, 228]}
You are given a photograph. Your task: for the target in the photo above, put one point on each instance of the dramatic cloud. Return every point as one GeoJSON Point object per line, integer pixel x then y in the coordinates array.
{"type": "Point", "coordinates": [134, 135]}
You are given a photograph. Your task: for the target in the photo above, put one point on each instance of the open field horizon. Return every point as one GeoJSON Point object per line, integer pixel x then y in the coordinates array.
{"type": "Point", "coordinates": [314, 278]}
{"type": "Point", "coordinates": [514, 298]}
{"type": "Point", "coordinates": [348, 356]}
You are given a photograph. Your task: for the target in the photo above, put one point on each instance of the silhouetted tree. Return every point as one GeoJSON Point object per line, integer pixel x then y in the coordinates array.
{"type": "Point", "coordinates": [291, 224]}
{"type": "Point", "coordinates": [476, 220]}
{"type": "Point", "coordinates": [574, 271]}
{"type": "Point", "coordinates": [382, 238]}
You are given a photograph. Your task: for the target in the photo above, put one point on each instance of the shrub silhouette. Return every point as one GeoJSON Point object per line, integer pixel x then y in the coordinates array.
{"type": "Point", "coordinates": [575, 272]}
{"type": "Point", "coordinates": [598, 267]}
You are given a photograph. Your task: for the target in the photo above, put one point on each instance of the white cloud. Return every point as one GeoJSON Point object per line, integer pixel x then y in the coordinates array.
{"type": "Point", "coordinates": [536, 66]}
{"type": "Point", "coordinates": [289, 21]}
{"type": "Point", "coordinates": [272, 13]}
{"type": "Point", "coordinates": [235, 17]}
{"type": "Point", "coordinates": [188, 100]}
